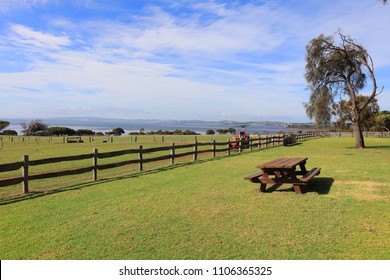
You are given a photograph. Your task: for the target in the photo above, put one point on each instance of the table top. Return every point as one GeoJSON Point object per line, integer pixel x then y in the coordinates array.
{"type": "Point", "coordinates": [279, 163]}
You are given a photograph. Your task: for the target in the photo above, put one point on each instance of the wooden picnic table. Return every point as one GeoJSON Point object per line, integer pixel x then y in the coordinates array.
{"type": "Point", "coordinates": [284, 171]}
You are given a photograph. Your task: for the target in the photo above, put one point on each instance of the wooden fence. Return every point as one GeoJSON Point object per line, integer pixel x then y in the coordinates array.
{"type": "Point", "coordinates": [174, 152]}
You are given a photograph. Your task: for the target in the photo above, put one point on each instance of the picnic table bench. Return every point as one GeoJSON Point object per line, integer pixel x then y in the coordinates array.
{"type": "Point", "coordinates": [73, 139]}
{"type": "Point", "coordinates": [283, 171]}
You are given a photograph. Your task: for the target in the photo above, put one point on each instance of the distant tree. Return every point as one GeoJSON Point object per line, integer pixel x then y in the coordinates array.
{"type": "Point", "coordinates": [210, 132]}
{"type": "Point", "coordinates": [367, 115]}
{"type": "Point", "coordinates": [117, 131]}
{"type": "Point", "coordinates": [321, 107]}
{"type": "Point", "coordinates": [142, 131]}
{"type": "Point", "coordinates": [178, 132]}
{"type": "Point", "coordinates": [189, 132]}
{"type": "Point", "coordinates": [59, 130]}
{"type": "Point", "coordinates": [9, 132]}
{"type": "Point", "coordinates": [339, 70]}
{"type": "Point", "coordinates": [382, 121]}
{"type": "Point", "coordinates": [35, 127]}
{"type": "Point", "coordinates": [3, 124]}
{"type": "Point", "coordinates": [85, 132]}
{"type": "Point", "coordinates": [232, 130]}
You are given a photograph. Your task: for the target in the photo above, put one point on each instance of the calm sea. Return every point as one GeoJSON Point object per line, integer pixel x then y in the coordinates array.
{"type": "Point", "coordinates": [135, 127]}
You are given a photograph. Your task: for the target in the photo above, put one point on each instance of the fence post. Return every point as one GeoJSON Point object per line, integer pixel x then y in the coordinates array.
{"type": "Point", "coordinates": [228, 148]}
{"type": "Point", "coordinates": [94, 164]}
{"type": "Point", "coordinates": [195, 150]}
{"type": "Point", "coordinates": [240, 146]}
{"type": "Point", "coordinates": [25, 173]}
{"type": "Point", "coordinates": [173, 153]}
{"type": "Point", "coordinates": [141, 167]}
{"type": "Point", "coordinates": [250, 144]}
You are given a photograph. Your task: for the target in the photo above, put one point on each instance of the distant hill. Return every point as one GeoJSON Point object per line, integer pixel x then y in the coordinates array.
{"type": "Point", "coordinates": [111, 122]}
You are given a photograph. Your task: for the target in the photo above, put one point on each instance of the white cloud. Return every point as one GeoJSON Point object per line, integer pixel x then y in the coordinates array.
{"type": "Point", "coordinates": [23, 36]}
{"type": "Point", "coordinates": [245, 29]}
{"type": "Point", "coordinates": [244, 61]}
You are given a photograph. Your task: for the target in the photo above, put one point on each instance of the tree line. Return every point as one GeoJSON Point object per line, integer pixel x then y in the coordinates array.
{"type": "Point", "coordinates": [38, 128]}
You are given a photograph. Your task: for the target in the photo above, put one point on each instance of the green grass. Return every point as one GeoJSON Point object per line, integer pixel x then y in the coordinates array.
{"type": "Point", "coordinates": [12, 149]}
{"type": "Point", "coordinates": [206, 210]}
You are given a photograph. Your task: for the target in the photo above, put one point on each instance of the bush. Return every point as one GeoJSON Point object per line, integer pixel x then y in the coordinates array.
{"type": "Point", "coordinates": [59, 131]}
{"type": "Point", "coordinates": [9, 132]}
{"type": "Point", "coordinates": [84, 132]}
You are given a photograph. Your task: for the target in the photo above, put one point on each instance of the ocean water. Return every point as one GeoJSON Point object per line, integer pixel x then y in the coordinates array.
{"type": "Point", "coordinates": [135, 127]}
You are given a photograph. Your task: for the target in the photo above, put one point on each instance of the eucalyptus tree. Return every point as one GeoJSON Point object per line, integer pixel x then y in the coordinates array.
{"type": "Point", "coordinates": [337, 71]}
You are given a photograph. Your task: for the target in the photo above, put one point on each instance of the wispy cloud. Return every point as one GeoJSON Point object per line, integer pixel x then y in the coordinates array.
{"type": "Point", "coordinates": [206, 60]}
{"type": "Point", "coordinates": [25, 37]}
{"type": "Point", "coordinates": [11, 5]}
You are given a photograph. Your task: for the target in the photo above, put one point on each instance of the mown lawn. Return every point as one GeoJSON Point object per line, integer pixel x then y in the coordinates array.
{"type": "Point", "coordinates": [207, 210]}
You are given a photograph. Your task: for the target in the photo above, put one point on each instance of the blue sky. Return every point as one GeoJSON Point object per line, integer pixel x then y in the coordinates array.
{"type": "Point", "coordinates": [183, 59]}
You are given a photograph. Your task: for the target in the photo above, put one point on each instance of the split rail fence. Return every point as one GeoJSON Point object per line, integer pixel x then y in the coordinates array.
{"type": "Point", "coordinates": [173, 153]}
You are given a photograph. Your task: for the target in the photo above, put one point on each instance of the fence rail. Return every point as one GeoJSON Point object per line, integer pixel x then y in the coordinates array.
{"type": "Point", "coordinates": [175, 151]}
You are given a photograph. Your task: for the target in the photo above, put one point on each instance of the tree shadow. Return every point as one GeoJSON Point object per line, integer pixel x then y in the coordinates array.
{"type": "Point", "coordinates": [371, 147]}
{"type": "Point", "coordinates": [378, 147]}
{"type": "Point", "coordinates": [317, 185]}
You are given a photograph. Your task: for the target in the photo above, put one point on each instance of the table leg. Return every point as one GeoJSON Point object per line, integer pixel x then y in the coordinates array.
{"type": "Point", "coordinates": [263, 185]}
{"type": "Point", "coordinates": [297, 189]}
{"type": "Point", "coordinates": [303, 168]}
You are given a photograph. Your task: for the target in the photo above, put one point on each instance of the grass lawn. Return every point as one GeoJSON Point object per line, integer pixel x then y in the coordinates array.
{"type": "Point", "coordinates": [206, 210]}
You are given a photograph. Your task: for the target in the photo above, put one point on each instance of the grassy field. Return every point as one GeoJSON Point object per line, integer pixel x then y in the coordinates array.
{"type": "Point", "coordinates": [206, 210]}
{"type": "Point", "coordinates": [12, 149]}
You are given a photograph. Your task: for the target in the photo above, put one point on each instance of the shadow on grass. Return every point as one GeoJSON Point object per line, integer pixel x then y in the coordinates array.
{"type": "Point", "coordinates": [371, 147]}
{"type": "Point", "coordinates": [318, 185]}
{"type": "Point", "coordinates": [293, 144]}
{"type": "Point", "coordinates": [378, 147]}
{"type": "Point", "coordinates": [78, 186]}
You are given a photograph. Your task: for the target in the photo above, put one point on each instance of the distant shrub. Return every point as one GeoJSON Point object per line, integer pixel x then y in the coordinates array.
{"type": "Point", "coordinates": [9, 132]}
{"type": "Point", "coordinates": [85, 132]}
{"type": "Point", "coordinates": [116, 131]}
{"type": "Point", "coordinates": [59, 130]}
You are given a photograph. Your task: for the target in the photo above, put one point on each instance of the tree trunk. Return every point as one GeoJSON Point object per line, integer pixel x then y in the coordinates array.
{"type": "Point", "coordinates": [357, 130]}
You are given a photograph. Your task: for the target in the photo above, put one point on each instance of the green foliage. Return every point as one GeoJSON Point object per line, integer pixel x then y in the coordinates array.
{"type": "Point", "coordinates": [61, 131]}
{"type": "Point", "coordinates": [85, 132]}
{"type": "Point", "coordinates": [3, 124]}
{"type": "Point", "coordinates": [368, 114]}
{"type": "Point", "coordinates": [382, 121]}
{"type": "Point", "coordinates": [116, 131]}
{"type": "Point", "coordinates": [165, 132]}
{"type": "Point", "coordinates": [189, 132]}
{"type": "Point", "coordinates": [226, 130]}
{"type": "Point", "coordinates": [9, 132]}
{"type": "Point", "coordinates": [210, 132]}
